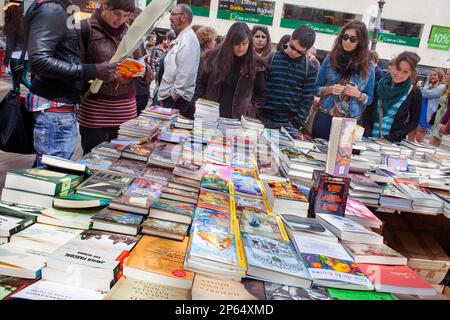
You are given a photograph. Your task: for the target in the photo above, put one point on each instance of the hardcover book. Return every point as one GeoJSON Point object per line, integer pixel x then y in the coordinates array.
{"type": "Point", "coordinates": [79, 201]}
{"type": "Point", "coordinates": [157, 173]}
{"type": "Point", "coordinates": [306, 226]}
{"type": "Point", "coordinates": [127, 166]}
{"type": "Point", "coordinates": [118, 217]}
{"type": "Point", "coordinates": [106, 184]}
{"type": "Point", "coordinates": [138, 151]}
{"type": "Point", "coordinates": [109, 149]}
{"type": "Point", "coordinates": [12, 222]}
{"type": "Point", "coordinates": [331, 196]}
{"type": "Point", "coordinates": [358, 212]}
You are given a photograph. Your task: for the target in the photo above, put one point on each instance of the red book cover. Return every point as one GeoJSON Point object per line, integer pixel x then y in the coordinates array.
{"type": "Point", "coordinates": [332, 195]}
{"type": "Point", "coordinates": [358, 211]}
{"type": "Point", "coordinates": [396, 279]}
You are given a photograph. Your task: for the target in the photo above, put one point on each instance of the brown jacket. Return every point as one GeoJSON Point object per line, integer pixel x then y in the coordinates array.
{"type": "Point", "coordinates": [247, 98]}
{"type": "Point", "coordinates": [102, 47]}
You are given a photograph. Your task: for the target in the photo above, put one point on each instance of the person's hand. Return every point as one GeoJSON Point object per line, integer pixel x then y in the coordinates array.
{"type": "Point", "coordinates": [337, 89]}
{"type": "Point", "coordinates": [106, 71]}
{"type": "Point", "coordinates": [352, 91]}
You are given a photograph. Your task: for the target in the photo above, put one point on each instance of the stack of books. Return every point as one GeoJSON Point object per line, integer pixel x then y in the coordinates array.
{"type": "Point", "coordinates": [206, 114]}
{"type": "Point", "coordinates": [113, 150]}
{"type": "Point", "coordinates": [184, 123]}
{"type": "Point", "coordinates": [364, 189]}
{"type": "Point", "coordinates": [139, 128]}
{"type": "Point", "coordinates": [286, 198]}
{"type": "Point", "coordinates": [423, 200]}
{"type": "Point", "coordinates": [297, 164]}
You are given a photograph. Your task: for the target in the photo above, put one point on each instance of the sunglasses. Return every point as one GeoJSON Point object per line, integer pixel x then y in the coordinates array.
{"type": "Point", "coordinates": [346, 37]}
{"type": "Point", "coordinates": [291, 45]}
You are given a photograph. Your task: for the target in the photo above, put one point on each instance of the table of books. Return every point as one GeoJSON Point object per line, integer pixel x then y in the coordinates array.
{"type": "Point", "coordinates": [216, 208]}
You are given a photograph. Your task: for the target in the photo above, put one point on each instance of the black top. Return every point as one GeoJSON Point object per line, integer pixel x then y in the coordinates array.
{"type": "Point", "coordinates": [228, 89]}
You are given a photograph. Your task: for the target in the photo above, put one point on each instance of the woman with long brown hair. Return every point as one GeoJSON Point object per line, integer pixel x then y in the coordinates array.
{"type": "Point", "coordinates": [398, 101]}
{"type": "Point", "coordinates": [261, 41]}
{"type": "Point", "coordinates": [232, 76]}
{"type": "Point", "coordinates": [346, 79]}
{"type": "Point", "coordinates": [14, 31]}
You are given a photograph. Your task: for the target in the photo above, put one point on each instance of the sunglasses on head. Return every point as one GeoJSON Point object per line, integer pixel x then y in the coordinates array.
{"type": "Point", "coordinates": [346, 37]}
{"type": "Point", "coordinates": [291, 45]}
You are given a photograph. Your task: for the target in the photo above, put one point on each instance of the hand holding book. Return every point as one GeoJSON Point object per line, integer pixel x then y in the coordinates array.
{"type": "Point", "coordinates": [130, 68]}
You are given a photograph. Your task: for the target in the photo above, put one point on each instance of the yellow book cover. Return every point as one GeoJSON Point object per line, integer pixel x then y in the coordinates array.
{"type": "Point", "coordinates": [283, 232]}
{"type": "Point", "coordinates": [159, 256]}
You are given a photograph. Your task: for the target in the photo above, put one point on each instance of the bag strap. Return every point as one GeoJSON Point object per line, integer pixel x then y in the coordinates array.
{"type": "Point", "coordinates": [84, 37]}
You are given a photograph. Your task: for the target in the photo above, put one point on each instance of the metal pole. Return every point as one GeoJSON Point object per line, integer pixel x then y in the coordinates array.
{"type": "Point", "coordinates": [377, 24]}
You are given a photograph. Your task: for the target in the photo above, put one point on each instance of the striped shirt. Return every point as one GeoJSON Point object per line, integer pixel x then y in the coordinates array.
{"type": "Point", "coordinates": [289, 92]}
{"type": "Point", "coordinates": [388, 119]}
{"type": "Point", "coordinates": [104, 113]}
{"type": "Point", "coordinates": [35, 103]}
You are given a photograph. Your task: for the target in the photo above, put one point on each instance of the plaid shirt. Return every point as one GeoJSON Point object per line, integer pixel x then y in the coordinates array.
{"type": "Point", "coordinates": [35, 103]}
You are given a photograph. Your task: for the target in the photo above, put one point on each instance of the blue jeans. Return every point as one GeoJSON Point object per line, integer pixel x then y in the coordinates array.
{"type": "Point", "coordinates": [55, 134]}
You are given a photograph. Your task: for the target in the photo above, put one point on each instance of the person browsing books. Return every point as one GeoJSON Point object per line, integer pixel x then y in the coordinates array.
{"type": "Point", "coordinates": [346, 79]}
{"type": "Point", "coordinates": [261, 41]}
{"type": "Point", "coordinates": [398, 101]}
{"type": "Point", "coordinates": [101, 114]}
{"type": "Point", "coordinates": [233, 76]}
{"type": "Point", "coordinates": [442, 114]}
{"type": "Point", "coordinates": [177, 85]}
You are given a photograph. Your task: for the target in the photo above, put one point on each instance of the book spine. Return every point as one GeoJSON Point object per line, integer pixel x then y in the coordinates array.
{"type": "Point", "coordinates": [25, 223]}
{"type": "Point", "coordinates": [283, 232]}
{"type": "Point", "coordinates": [268, 207]}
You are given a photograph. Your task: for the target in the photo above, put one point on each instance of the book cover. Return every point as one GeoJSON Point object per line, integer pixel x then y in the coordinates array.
{"type": "Point", "coordinates": [276, 291]}
{"type": "Point", "coordinates": [145, 188]}
{"type": "Point", "coordinates": [307, 225]}
{"type": "Point", "coordinates": [10, 285]}
{"type": "Point", "coordinates": [208, 288]}
{"type": "Point", "coordinates": [79, 217]}
{"type": "Point", "coordinates": [157, 173]}
{"type": "Point", "coordinates": [39, 233]}
{"type": "Point", "coordinates": [362, 182]}
{"type": "Point", "coordinates": [76, 200]}
{"type": "Point", "coordinates": [214, 200]}
{"type": "Point", "coordinates": [216, 177]}
{"type": "Point", "coordinates": [273, 254]}
{"type": "Point", "coordinates": [119, 217]}
{"type": "Point", "coordinates": [185, 181]}
{"type": "Point", "coordinates": [355, 210]}
{"type": "Point", "coordinates": [332, 194]}
{"type": "Point", "coordinates": [286, 191]}
{"type": "Point", "coordinates": [140, 151]}
{"type": "Point", "coordinates": [65, 165]}
{"type": "Point", "coordinates": [13, 221]}
{"type": "Point", "coordinates": [377, 253]}
{"type": "Point", "coordinates": [260, 224]}
{"type": "Point", "coordinates": [96, 161]}
{"type": "Point", "coordinates": [251, 204]}
{"type": "Point", "coordinates": [352, 295]}
{"type": "Point", "coordinates": [165, 154]}
{"type": "Point", "coordinates": [110, 149]}
{"type": "Point", "coordinates": [128, 166]}
{"type": "Point", "coordinates": [131, 289]}
{"type": "Point", "coordinates": [160, 256]}
{"type": "Point", "coordinates": [106, 240]}
{"type": "Point", "coordinates": [109, 184]}
{"type": "Point", "coordinates": [245, 182]}
{"type": "Point", "coordinates": [342, 134]}
{"type": "Point", "coordinates": [211, 220]}
{"type": "Point", "coordinates": [343, 224]}
{"type": "Point", "coordinates": [129, 68]}
{"type": "Point", "coordinates": [163, 226]}
{"type": "Point", "coordinates": [213, 245]}
{"type": "Point", "coordinates": [178, 207]}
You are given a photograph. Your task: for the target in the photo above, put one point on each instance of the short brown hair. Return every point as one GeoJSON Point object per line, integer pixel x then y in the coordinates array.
{"type": "Point", "coordinates": [373, 56]}
{"type": "Point", "coordinates": [125, 5]}
{"type": "Point", "coordinates": [206, 35]}
{"type": "Point", "coordinates": [412, 59]}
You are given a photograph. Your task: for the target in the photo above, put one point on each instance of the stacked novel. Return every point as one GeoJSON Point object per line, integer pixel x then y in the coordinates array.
{"type": "Point", "coordinates": [297, 164]}
{"type": "Point", "coordinates": [184, 123]}
{"type": "Point", "coordinates": [165, 155]}
{"type": "Point", "coordinates": [206, 113]}
{"type": "Point", "coordinates": [117, 221]}
{"type": "Point", "coordinates": [422, 199]}
{"type": "Point", "coordinates": [286, 198]}
{"type": "Point", "coordinates": [393, 197]}
{"type": "Point", "coordinates": [363, 189]}
{"type": "Point", "coordinates": [139, 128]}
{"type": "Point", "coordinates": [105, 184]}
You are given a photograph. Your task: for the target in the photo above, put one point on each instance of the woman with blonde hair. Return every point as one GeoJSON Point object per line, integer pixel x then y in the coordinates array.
{"type": "Point", "coordinates": [440, 118]}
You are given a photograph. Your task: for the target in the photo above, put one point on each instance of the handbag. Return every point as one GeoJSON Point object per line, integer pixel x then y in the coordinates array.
{"type": "Point", "coordinates": [16, 125]}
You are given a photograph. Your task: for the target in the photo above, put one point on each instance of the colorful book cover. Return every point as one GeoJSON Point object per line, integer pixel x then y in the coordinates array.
{"type": "Point", "coordinates": [211, 219]}
{"type": "Point", "coordinates": [245, 182]}
{"type": "Point", "coordinates": [286, 191]}
{"type": "Point", "coordinates": [332, 195]}
{"type": "Point", "coordinates": [96, 161]}
{"type": "Point", "coordinates": [185, 181]}
{"type": "Point", "coordinates": [126, 166]}
{"type": "Point", "coordinates": [157, 173]}
{"type": "Point", "coordinates": [213, 200]}
{"type": "Point", "coordinates": [110, 148]}
{"type": "Point", "coordinates": [273, 254]}
{"type": "Point", "coordinates": [216, 177]}
{"type": "Point", "coordinates": [250, 204]}
{"type": "Point", "coordinates": [106, 183]}
{"type": "Point", "coordinates": [165, 226]}
{"type": "Point", "coordinates": [174, 206]}
{"type": "Point", "coordinates": [163, 111]}
{"type": "Point", "coordinates": [340, 146]}
{"type": "Point", "coordinates": [142, 150]}
{"type": "Point", "coordinates": [119, 217]}
{"type": "Point", "coordinates": [213, 245]}
{"type": "Point", "coordinates": [355, 208]}
{"type": "Point", "coordinates": [260, 224]}
{"type": "Point", "coordinates": [397, 162]}
{"type": "Point", "coordinates": [165, 152]}
{"type": "Point", "coordinates": [145, 188]}
{"type": "Point", "coordinates": [129, 68]}
{"type": "Point", "coordinates": [276, 291]}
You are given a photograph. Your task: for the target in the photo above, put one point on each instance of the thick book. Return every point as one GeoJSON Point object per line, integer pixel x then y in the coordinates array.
{"type": "Point", "coordinates": [139, 152]}
{"type": "Point", "coordinates": [179, 195]}
{"type": "Point", "coordinates": [214, 200]}
{"type": "Point", "coordinates": [346, 229]}
{"type": "Point", "coordinates": [109, 149]}
{"type": "Point", "coordinates": [79, 218]}
{"type": "Point", "coordinates": [374, 253]}
{"type": "Point", "coordinates": [165, 155]}
{"type": "Point", "coordinates": [128, 166]}
{"type": "Point", "coordinates": [330, 265]}
{"type": "Point", "coordinates": [358, 212]}
{"type": "Point", "coordinates": [397, 279]}
{"type": "Point", "coordinates": [96, 162]}
{"type": "Point", "coordinates": [12, 222]}
{"type": "Point", "coordinates": [172, 210]}
{"type": "Point", "coordinates": [79, 201]}
{"type": "Point", "coordinates": [42, 181]}
{"type": "Point", "coordinates": [117, 221]}
{"type": "Point", "coordinates": [263, 225]}
{"type": "Point", "coordinates": [164, 229]}
{"type": "Point", "coordinates": [274, 260]}
{"type": "Point", "coordinates": [330, 195]}
{"type": "Point", "coordinates": [64, 165]}
{"type": "Point", "coordinates": [364, 183]}
{"type": "Point", "coordinates": [285, 195]}
{"type": "Point", "coordinates": [342, 134]}
{"type": "Point", "coordinates": [131, 289]}
{"type": "Point", "coordinates": [159, 261]}
{"type": "Point", "coordinates": [157, 173]}
{"type": "Point", "coordinates": [105, 184]}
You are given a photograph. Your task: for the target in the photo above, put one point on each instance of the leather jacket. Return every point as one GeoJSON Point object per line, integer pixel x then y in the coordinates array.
{"type": "Point", "coordinates": [54, 52]}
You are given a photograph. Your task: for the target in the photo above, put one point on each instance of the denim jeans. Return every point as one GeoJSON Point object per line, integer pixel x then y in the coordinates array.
{"type": "Point", "coordinates": [55, 134]}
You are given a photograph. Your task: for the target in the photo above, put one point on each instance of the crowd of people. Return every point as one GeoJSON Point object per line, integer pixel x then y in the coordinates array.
{"type": "Point", "coordinates": [286, 87]}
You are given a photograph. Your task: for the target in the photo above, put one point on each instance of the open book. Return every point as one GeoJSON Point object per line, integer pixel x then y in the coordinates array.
{"type": "Point", "coordinates": [128, 68]}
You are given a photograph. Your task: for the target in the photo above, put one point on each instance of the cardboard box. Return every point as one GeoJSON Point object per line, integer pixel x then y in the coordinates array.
{"type": "Point", "coordinates": [425, 255]}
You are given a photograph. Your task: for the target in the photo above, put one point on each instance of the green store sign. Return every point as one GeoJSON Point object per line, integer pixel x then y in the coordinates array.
{"type": "Point", "coordinates": [252, 11]}
{"type": "Point", "coordinates": [439, 38]}
{"type": "Point", "coordinates": [329, 29]}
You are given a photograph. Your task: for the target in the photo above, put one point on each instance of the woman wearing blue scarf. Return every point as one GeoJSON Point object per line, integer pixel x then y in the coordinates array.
{"type": "Point", "coordinates": [398, 101]}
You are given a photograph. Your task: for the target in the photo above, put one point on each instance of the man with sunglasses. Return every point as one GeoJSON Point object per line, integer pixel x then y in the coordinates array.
{"type": "Point", "coordinates": [291, 80]}
{"type": "Point", "coordinates": [177, 85]}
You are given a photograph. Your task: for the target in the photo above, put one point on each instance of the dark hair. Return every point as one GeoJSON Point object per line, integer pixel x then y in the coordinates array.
{"type": "Point", "coordinates": [411, 58]}
{"type": "Point", "coordinates": [14, 20]}
{"type": "Point", "coordinates": [360, 54]}
{"type": "Point", "coordinates": [219, 60]}
{"type": "Point", "coordinates": [268, 47]}
{"type": "Point", "coordinates": [125, 5]}
{"type": "Point", "coordinates": [284, 39]}
{"type": "Point", "coordinates": [373, 56]}
{"type": "Point", "coordinates": [170, 35]}
{"type": "Point", "coordinates": [205, 36]}
{"type": "Point", "coordinates": [195, 27]}
{"type": "Point", "coordinates": [219, 39]}
{"type": "Point", "coordinates": [187, 11]}
{"type": "Point", "coordinates": [305, 35]}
